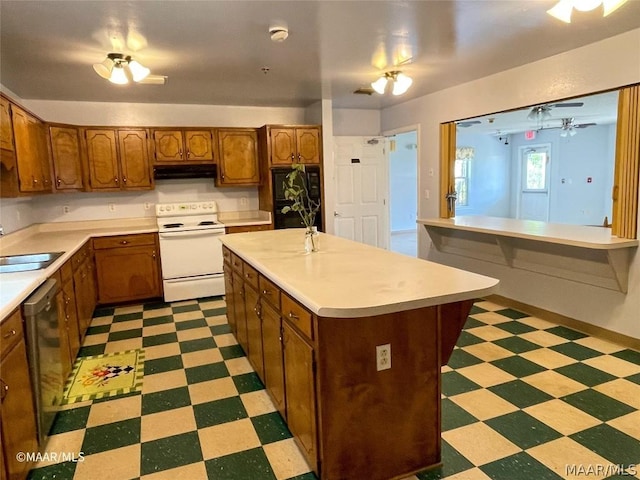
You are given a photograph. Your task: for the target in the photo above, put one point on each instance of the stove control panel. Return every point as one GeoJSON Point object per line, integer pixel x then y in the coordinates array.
{"type": "Point", "coordinates": [190, 208]}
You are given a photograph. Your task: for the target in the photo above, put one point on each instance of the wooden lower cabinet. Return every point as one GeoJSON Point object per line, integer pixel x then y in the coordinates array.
{"type": "Point", "coordinates": [68, 325]}
{"type": "Point", "coordinates": [239, 311]}
{"type": "Point", "coordinates": [229, 296]}
{"type": "Point", "coordinates": [273, 355]}
{"type": "Point", "coordinates": [254, 328]}
{"type": "Point", "coordinates": [84, 287]}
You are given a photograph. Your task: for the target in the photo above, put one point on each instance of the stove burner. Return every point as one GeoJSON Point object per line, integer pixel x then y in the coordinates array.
{"type": "Point", "coordinates": [173, 225]}
{"type": "Point", "coordinates": [207, 222]}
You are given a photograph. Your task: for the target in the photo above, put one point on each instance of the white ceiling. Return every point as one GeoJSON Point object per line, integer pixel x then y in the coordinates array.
{"type": "Point", "coordinates": [213, 51]}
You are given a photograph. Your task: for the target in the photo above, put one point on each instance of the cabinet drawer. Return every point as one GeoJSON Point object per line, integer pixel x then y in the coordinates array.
{"type": "Point", "coordinates": [118, 241]}
{"type": "Point", "coordinates": [236, 263]}
{"type": "Point", "coordinates": [297, 315]}
{"type": "Point", "coordinates": [80, 256]}
{"type": "Point", "coordinates": [226, 255]}
{"type": "Point", "coordinates": [270, 291]}
{"type": "Point", "coordinates": [250, 275]}
{"type": "Point", "coordinates": [10, 331]}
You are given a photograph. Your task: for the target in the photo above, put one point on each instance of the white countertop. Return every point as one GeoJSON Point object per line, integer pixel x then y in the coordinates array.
{"type": "Point", "coordinates": [348, 279]}
{"type": "Point", "coordinates": [598, 238]}
{"type": "Point", "coordinates": [239, 219]}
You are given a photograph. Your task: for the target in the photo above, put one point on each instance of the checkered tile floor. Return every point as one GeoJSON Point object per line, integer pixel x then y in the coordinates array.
{"type": "Point", "coordinates": [521, 399]}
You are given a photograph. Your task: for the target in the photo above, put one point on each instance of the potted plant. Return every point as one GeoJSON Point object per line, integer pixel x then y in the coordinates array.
{"type": "Point", "coordinates": [295, 189]}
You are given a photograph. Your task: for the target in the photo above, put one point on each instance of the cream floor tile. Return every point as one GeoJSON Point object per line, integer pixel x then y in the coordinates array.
{"type": "Point", "coordinates": [561, 454]}
{"type": "Point", "coordinates": [161, 351]}
{"type": "Point", "coordinates": [159, 329]}
{"type": "Point", "coordinates": [486, 375]}
{"type": "Point", "coordinates": [491, 318]}
{"type": "Point", "coordinates": [286, 459]}
{"type": "Point", "coordinates": [194, 333]}
{"type": "Point", "coordinates": [163, 381]}
{"type": "Point", "coordinates": [211, 304]}
{"type": "Point", "coordinates": [489, 333]}
{"type": "Point", "coordinates": [562, 417]}
{"type": "Point", "coordinates": [158, 312]}
{"type": "Point", "coordinates": [488, 351]}
{"type": "Point", "coordinates": [488, 305]}
{"type": "Point", "coordinates": [168, 423]}
{"type": "Point", "coordinates": [544, 339]}
{"type": "Point", "coordinates": [122, 345]}
{"type": "Point", "coordinates": [68, 444]}
{"type": "Point", "coordinates": [446, 368]}
{"type": "Point", "coordinates": [548, 358]}
{"type": "Point", "coordinates": [183, 316]}
{"type": "Point", "coordinates": [216, 320]}
{"type": "Point", "coordinates": [599, 344]}
{"type": "Point", "coordinates": [227, 438]}
{"type": "Point", "coordinates": [109, 465]}
{"type": "Point", "coordinates": [471, 474]}
{"type": "Point", "coordinates": [212, 390]}
{"type": "Point", "coordinates": [201, 357]}
{"type": "Point", "coordinates": [538, 323]}
{"type": "Point", "coordinates": [622, 390]}
{"type": "Point", "coordinates": [554, 384]}
{"type": "Point", "coordinates": [479, 443]}
{"type": "Point", "coordinates": [257, 403]}
{"type": "Point", "coordinates": [95, 339]}
{"type": "Point", "coordinates": [184, 303]}
{"type": "Point", "coordinates": [99, 321]}
{"type": "Point", "coordinates": [71, 406]}
{"type": "Point", "coordinates": [238, 366]}
{"type": "Point", "coordinates": [115, 410]}
{"type": "Point", "coordinates": [193, 471]}
{"type": "Point", "coordinates": [629, 424]}
{"type": "Point", "coordinates": [128, 325]}
{"type": "Point", "coordinates": [613, 365]}
{"type": "Point", "coordinates": [483, 404]}
{"type": "Point", "coordinates": [226, 340]}
{"type": "Point", "coordinates": [128, 309]}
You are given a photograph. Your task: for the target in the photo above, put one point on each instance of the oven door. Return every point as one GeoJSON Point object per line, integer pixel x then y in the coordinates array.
{"type": "Point", "coordinates": [190, 253]}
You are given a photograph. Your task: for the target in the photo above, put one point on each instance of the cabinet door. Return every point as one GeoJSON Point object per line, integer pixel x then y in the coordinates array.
{"type": "Point", "coordinates": [229, 296]}
{"type": "Point", "coordinates": [254, 329]}
{"type": "Point", "coordinates": [239, 310]}
{"type": "Point", "coordinates": [6, 131]}
{"type": "Point", "coordinates": [71, 317]}
{"type": "Point", "coordinates": [128, 273]}
{"type": "Point", "coordinates": [81, 280]}
{"type": "Point", "coordinates": [102, 155]}
{"type": "Point", "coordinates": [238, 162]}
{"type": "Point", "coordinates": [134, 159]}
{"type": "Point", "coordinates": [168, 145]}
{"type": "Point", "coordinates": [65, 150]}
{"type": "Point", "coordinates": [283, 146]}
{"type": "Point", "coordinates": [198, 145]}
{"type": "Point", "coordinates": [300, 388]}
{"type": "Point", "coordinates": [308, 145]}
{"type": "Point", "coordinates": [63, 331]}
{"type": "Point", "coordinates": [272, 350]}
{"type": "Point", "coordinates": [28, 145]}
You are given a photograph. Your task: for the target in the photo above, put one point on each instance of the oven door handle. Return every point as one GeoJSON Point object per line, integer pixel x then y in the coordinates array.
{"type": "Point", "coordinates": [190, 233]}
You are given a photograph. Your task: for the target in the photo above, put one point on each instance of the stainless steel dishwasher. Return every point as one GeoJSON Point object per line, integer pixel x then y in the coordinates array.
{"type": "Point", "coordinates": [43, 347]}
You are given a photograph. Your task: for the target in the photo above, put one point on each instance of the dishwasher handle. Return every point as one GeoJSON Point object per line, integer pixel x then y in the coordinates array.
{"type": "Point", "coordinates": [42, 299]}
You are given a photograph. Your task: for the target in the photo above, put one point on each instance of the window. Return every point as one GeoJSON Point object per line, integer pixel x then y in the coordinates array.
{"type": "Point", "coordinates": [461, 168]}
{"type": "Point", "coordinates": [535, 170]}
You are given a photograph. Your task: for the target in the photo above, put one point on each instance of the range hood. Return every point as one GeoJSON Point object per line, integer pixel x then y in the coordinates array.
{"type": "Point", "coordinates": [163, 172]}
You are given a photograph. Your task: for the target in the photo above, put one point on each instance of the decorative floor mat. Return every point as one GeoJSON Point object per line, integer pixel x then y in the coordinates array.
{"type": "Point", "coordinates": [105, 375]}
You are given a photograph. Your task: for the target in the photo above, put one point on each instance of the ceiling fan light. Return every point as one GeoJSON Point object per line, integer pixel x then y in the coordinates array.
{"type": "Point", "coordinates": [104, 68]}
{"type": "Point", "coordinates": [572, 131]}
{"type": "Point", "coordinates": [562, 10]}
{"type": "Point", "coordinates": [401, 84]}
{"type": "Point", "coordinates": [138, 72]}
{"type": "Point", "coordinates": [379, 85]}
{"type": "Point", "coordinates": [611, 6]}
{"type": "Point", "coordinates": [118, 75]}
{"type": "Point", "coordinates": [564, 133]}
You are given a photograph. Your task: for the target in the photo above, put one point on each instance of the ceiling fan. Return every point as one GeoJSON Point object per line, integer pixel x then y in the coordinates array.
{"type": "Point", "coordinates": [542, 112]}
{"type": "Point", "coordinates": [468, 123]}
{"type": "Point", "coordinates": [568, 127]}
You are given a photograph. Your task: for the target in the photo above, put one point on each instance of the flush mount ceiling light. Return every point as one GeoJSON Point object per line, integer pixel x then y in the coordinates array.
{"type": "Point", "coordinates": [121, 69]}
{"type": "Point", "coordinates": [399, 80]}
{"type": "Point", "coordinates": [563, 9]}
{"type": "Point", "coordinates": [278, 33]}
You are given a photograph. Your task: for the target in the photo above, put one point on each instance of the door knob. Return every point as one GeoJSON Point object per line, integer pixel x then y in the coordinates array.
{"type": "Point", "coordinates": [336, 214]}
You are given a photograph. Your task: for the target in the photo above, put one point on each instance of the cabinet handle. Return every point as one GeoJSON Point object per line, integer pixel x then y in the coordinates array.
{"type": "Point", "coordinates": [35, 180]}
{"type": "Point", "coordinates": [5, 389]}
{"type": "Point", "coordinates": [153, 254]}
{"type": "Point", "coordinates": [180, 152]}
{"type": "Point", "coordinates": [124, 179]}
{"type": "Point", "coordinates": [11, 333]}
{"type": "Point", "coordinates": [188, 153]}
{"type": "Point", "coordinates": [58, 181]}
{"type": "Point", "coordinates": [116, 179]}
{"type": "Point", "coordinates": [247, 275]}
{"type": "Point", "coordinates": [267, 292]}
{"type": "Point", "coordinates": [124, 242]}
{"type": "Point", "coordinates": [299, 158]}
{"type": "Point", "coordinates": [294, 316]}
{"type": "Point", "coordinates": [46, 181]}
{"type": "Point", "coordinates": [293, 157]}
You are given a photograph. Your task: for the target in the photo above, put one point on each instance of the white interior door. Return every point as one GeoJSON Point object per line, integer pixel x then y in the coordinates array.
{"type": "Point", "coordinates": [534, 182]}
{"type": "Point", "coordinates": [361, 185]}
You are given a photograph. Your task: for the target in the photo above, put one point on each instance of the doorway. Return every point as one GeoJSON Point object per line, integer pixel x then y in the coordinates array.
{"type": "Point", "coordinates": [534, 183]}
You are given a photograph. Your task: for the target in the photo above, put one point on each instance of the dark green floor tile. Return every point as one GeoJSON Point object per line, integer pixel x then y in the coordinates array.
{"type": "Point", "coordinates": [460, 358]}
{"type": "Point", "coordinates": [186, 308]}
{"type": "Point", "coordinates": [567, 333]}
{"type": "Point", "coordinates": [628, 355]}
{"type": "Point", "coordinates": [72, 419]}
{"type": "Point", "coordinates": [202, 373]}
{"type": "Point", "coordinates": [98, 329]}
{"type": "Point", "coordinates": [165, 400]}
{"type": "Point", "coordinates": [122, 395]}
{"type": "Point", "coordinates": [155, 305]}
{"type": "Point", "coordinates": [515, 327]}
{"type": "Point", "coordinates": [64, 470]}
{"type": "Point", "coordinates": [188, 324]}
{"type": "Point", "coordinates": [517, 344]}
{"type": "Point", "coordinates": [220, 329]}
{"type": "Point", "coordinates": [453, 383]}
{"type": "Point", "coordinates": [112, 435]}
{"type": "Point", "coordinates": [452, 463]}
{"type": "Point", "coordinates": [473, 323]}
{"type": "Point", "coordinates": [150, 322]}
{"type": "Point", "coordinates": [219, 411]}
{"type": "Point", "coordinates": [214, 312]}
{"type": "Point", "coordinates": [575, 350]}
{"type": "Point", "coordinates": [454, 416]}
{"type": "Point", "coordinates": [170, 452]}
{"type": "Point", "coordinates": [270, 428]}
{"type": "Point", "coordinates": [125, 334]}
{"type": "Point", "coordinates": [475, 309]}
{"type": "Point", "coordinates": [104, 311]}
{"type": "Point", "coordinates": [249, 464]}
{"type": "Point", "coordinates": [161, 339]}
{"type": "Point", "coordinates": [232, 351]}
{"type": "Point", "coordinates": [247, 382]}
{"type": "Point", "coordinates": [198, 344]}
{"type": "Point", "coordinates": [520, 466]}
{"type": "Point", "coordinates": [465, 339]}
{"type": "Point", "coordinates": [634, 378]}
{"type": "Point", "coordinates": [520, 393]}
{"type": "Point", "coordinates": [125, 317]}
{"type": "Point", "coordinates": [598, 405]}
{"type": "Point", "coordinates": [511, 313]}
{"type": "Point", "coordinates": [585, 374]}
{"type": "Point", "coordinates": [165, 364]}
{"type": "Point", "coordinates": [518, 366]}
{"type": "Point", "coordinates": [215, 298]}
{"type": "Point", "coordinates": [610, 443]}
{"type": "Point", "coordinates": [91, 350]}
{"type": "Point", "coordinates": [522, 429]}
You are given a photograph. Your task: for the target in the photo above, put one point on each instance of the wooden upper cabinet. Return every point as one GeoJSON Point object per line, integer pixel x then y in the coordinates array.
{"type": "Point", "coordinates": [65, 152]}
{"type": "Point", "coordinates": [102, 156]}
{"type": "Point", "coordinates": [294, 145]}
{"type": "Point", "coordinates": [283, 146]}
{"type": "Point", "coordinates": [169, 147]}
{"type": "Point", "coordinates": [308, 143]}
{"type": "Point", "coordinates": [31, 152]}
{"type": "Point", "coordinates": [183, 146]}
{"type": "Point", "coordinates": [6, 132]}
{"type": "Point", "coordinates": [134, 158]}
{"type": "Point", "coordinates": [198, 145]}
{"type": "Point", "coordinates": [238, 157]}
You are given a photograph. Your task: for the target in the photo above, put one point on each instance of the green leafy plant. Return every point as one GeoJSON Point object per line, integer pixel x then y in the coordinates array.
{"type": "Point", "coordinates": [295, 189]}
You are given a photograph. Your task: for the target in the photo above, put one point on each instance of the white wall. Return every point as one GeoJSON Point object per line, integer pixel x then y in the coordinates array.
{"type": "Point", "coordinates": [607, 64]}
{"type": "Point", "coordinates": [352, 122]}
{"type": "Point", "coordinates": [403, 182]}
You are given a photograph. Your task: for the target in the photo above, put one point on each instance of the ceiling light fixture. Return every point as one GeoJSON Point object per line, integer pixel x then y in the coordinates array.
{"type": "Point", "coordinates": [563, 9]}
{"type": "Point", "coordinates": [121, 69]}
{"type": "Point", "coordinates": [568, 128]}
{"type": "Point", "coordinates": [399, 80]}
{"type": "Point", "coordinates": [278, 33]}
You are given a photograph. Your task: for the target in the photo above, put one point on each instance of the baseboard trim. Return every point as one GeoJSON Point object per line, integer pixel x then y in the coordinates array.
{"type": "Point", "coordinates": [584, 327]}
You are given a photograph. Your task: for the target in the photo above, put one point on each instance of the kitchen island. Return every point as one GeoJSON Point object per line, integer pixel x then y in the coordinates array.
{"type": "Point", "coordinates": [349, 342]}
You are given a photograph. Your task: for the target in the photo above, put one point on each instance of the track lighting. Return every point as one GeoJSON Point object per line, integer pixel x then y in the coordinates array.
{"type": "Point", "coordinates": [399, 80]}
{"type": "Point", "coordinates": [564, 8]}
{"type": "Point", "coordinates": [121, 69]}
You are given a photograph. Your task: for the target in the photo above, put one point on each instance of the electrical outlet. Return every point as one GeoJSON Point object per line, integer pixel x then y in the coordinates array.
{"type": "Point", "coordinates": [427, 194]}
{"type": "Point", "coordinates": [147, 206]}
{"type": "Point", "coordinates": [112, 207]}
{"type": "Point", "coordinates": [431, 172]}
{"type": "Point", "coordinates": [383, 357]}
{"type": "Point", "coordinates": [243, 201]}
{"type": "Point", "coordinates": [65, 209]}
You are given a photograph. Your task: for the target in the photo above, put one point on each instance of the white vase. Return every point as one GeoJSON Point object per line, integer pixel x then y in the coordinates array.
{"type": "Point", "coordinates": [311, 239]}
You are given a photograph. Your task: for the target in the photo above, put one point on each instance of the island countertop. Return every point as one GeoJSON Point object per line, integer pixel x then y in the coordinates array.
{"type": "Point", "coordinates": [347, 279]}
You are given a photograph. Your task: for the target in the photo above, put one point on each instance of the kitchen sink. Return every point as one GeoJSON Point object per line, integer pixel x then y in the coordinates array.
{"type": "Point", "coordinates": [27, 262]}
